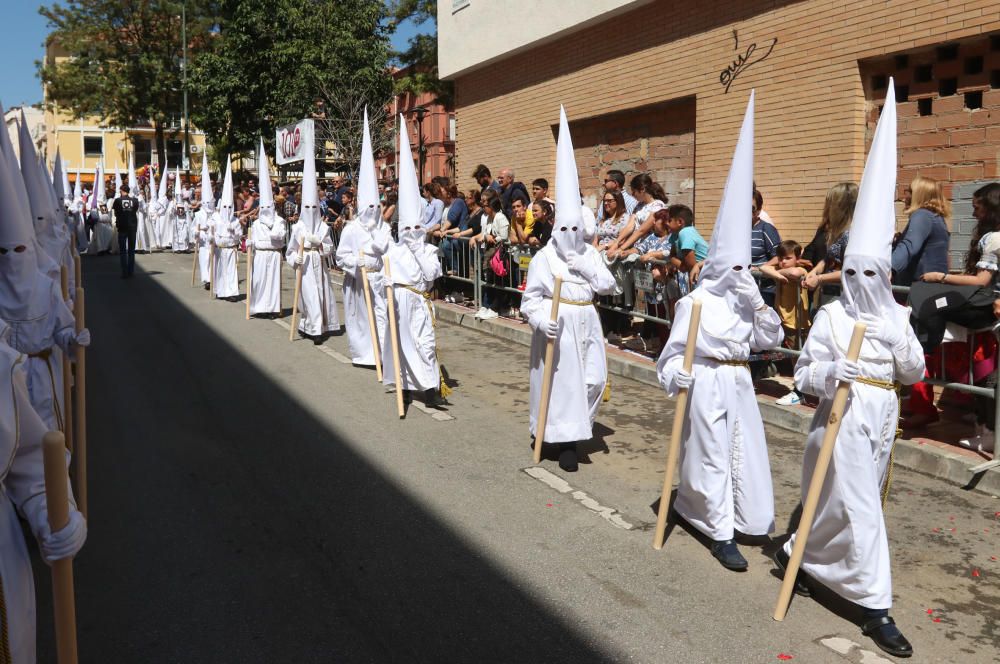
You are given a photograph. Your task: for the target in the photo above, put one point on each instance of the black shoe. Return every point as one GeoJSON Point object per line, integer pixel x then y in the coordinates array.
{"type": "Point", "coordinates": [567, 458]}
{"type": "Point", "coordinates": [407, 398]}
{"type": "Point", "coordinates": [432, 399]}
{"type": "Point", "coordinates": [206, 286]}
{"type": "Point", "coordinates": [726, 552]}
{"type": "Point", "coordinates": [781, 560]}
{"type": "Point", "coordinates": [883, 631]}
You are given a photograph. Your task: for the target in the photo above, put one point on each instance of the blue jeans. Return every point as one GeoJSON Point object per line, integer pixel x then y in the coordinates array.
{"type": "Point", "coordinates": [126, 252]}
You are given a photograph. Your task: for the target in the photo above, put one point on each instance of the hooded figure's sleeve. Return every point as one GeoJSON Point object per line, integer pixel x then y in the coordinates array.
{"type": "Point", "coordinates": [293, 247]}
{"type": "Point", "coordinates": [814, 368]}
{"type": "Point", "coordinates": [767, 331]}
{"type": "Point", "coordinates": [602, 281]}
{"type": "Point", "coordinates": [427, 259]}
{"type": "Point", "coordinates": [537, 291]}
{"type": "Point", "coordinates": [347, 253]}
{"type": "Point", "coordinates": [909, 358]}
{"type": "Point", "coordinates": [278, 229]}
{"type": "Point", "coordinates": [672, 357]}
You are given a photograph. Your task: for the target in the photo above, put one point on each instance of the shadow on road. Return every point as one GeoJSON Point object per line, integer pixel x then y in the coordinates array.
{"type": "Point", "coordinates": [230, 525]}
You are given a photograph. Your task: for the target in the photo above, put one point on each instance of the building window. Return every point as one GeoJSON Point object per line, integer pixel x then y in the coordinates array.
{"type": "Point", "coordinates": [174, 156]}
{"type": "Point", "coordinates": [451, 128]}
{"type": "Point", "coordinates": [142, 149]}
{"type": "Point", "coordinates": [93, 146]}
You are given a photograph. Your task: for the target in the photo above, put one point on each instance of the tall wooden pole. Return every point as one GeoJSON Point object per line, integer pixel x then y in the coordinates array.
{"type": "Point", "coordinates": [818, 477]}
{"type": "Point", "coordinates": [249, 274]}
{"type": "Point", "coordinates": [680, 413]}
{"type": "Point", "coordinates": [550, 352]}
{"type": "Point", "coordinates": [80, 454]}
{"type": "Point", "coordinates": [371, 318]}
{"type": "Point", "coordinates": [390, 310]}
{"type": "Point", "coordinates": [67, 373]}
{"type": "Point", "coordinates": [57, 500]}
{"type": "Point", "coordinates": [298, 288]}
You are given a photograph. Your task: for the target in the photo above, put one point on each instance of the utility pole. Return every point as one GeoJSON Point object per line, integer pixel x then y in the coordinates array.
{"type": "Point", "coordinates": [420, 112]}
{"type": "Point", "coordinates": [186, 157]}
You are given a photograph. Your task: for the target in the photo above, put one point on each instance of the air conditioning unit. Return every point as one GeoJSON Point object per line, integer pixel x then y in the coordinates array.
{"type": "Point", "coordinates": [195, 149]}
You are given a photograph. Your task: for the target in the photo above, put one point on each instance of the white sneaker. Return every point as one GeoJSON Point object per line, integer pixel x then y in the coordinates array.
{"type": "Point", "coordinates": [479, 314]}
{"type": "Point", "coordinates": [982, 441]}
{"type": "Point", "coordinates": [790, 399]}
{"type": "Point", "coordinates": [488, 314]}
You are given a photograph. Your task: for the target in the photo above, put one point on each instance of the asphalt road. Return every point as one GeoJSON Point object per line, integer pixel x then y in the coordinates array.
{"type": "Point", "coordinates": [255, 500]}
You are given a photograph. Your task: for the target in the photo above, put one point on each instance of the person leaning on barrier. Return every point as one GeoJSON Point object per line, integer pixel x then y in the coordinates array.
{"type": "Point", "coordinates": [541, 230]}
{"type": "Point", "coordinates": [612, 218]}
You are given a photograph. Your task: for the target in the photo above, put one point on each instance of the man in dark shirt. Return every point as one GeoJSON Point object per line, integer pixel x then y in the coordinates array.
{"type": "Point", "coordinates": [126, 209]}
{"type": "Point", "coordinates": [511, 191]}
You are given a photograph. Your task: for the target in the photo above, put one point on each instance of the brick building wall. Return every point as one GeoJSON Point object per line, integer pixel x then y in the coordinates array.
{"type": "Point", "coordinates": [811, 98]}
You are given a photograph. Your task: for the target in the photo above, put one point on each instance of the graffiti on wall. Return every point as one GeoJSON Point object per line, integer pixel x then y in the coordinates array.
{"type": "Point", "coordinates": [745, 59]}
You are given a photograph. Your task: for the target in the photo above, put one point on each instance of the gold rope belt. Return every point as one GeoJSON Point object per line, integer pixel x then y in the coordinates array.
{"type": "Point", "coordinates": [265, 249]}
{"type": "Point", "coordinates": [43, 354]}
{"type": "Point", "coordinates": [225, 246]}
{"type": "Point", "coordinates": [729, 363]}
{"type": "Point", "coordinates": [577, 303]}
{"type": "Point", "coordinates": [442, 385]}
{"type": "Point", "coordinates": [883, 384]}
{"type": "Point", "coordinates": [413, 289]}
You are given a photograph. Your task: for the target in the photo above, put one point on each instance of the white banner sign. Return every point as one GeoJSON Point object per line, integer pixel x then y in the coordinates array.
{"type": "Point", "coordinates": [292, 140]}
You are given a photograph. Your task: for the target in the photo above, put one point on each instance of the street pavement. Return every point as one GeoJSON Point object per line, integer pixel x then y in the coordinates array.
{"type": "Point", "coordinates": [256, 500]}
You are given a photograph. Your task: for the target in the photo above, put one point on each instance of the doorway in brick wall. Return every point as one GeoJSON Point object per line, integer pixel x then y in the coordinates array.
{"type": "Point", "coordinates": [658, 139]}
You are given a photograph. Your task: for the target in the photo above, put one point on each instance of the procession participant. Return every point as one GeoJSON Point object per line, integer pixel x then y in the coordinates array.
{"type": "Point", "coordinates": [60, 182]}
{"type": "Point", "coordinates": [202, 225]}
{"type": "Point", "coordinates": [144, 229]}
{"type": "Point", "coordinates": [413, 267]}
{"type": "Point", "coordinates": [78, 211]}
{"type": "Point", "coordinates": [226, 230]}
{"type": "Point", "coordinates": [126, 209]}
{"type": "Point", "coordinates": [55, 246]}
{"type": "Point", "coordinates": [267, 236]}
{"type": "Point", "coordinates": [22, 491]}
{"type": "Point", "coordinates": [848, 547]}
{"type": "Point", "coordinates": [317, 306]}
{"type": "Point", "coordinates": [580, 374]}
{"type": "Point", "coordinates": [31, 303]}
{"type": "Point", "coordinates": [725, 478]}
{"type": "Point", "coordinates": [101, 242]}
{"type": "Point", "coordinates": [369, 235]}
{"type": "Point", "coordinates": [164, 221]}
{"type": "Point", "coordinates": [179, 216]}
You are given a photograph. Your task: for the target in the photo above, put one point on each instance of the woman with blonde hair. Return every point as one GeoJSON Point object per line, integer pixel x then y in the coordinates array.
{"type": "Point", "coordinates": [923, 245]}
{"type": "Point", "coordinates": [838, 211]}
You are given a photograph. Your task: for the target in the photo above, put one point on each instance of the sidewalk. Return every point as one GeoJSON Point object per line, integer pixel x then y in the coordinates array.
{"type": "Point", "coordinates": [937, 455]}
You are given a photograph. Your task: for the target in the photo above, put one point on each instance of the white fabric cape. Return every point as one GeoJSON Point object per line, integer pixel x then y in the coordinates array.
{"type": "Point", "coordinates": [353, 240]}
{"type": "Point", "coordinates": [317, 304]}
{"type": "Point", "coordinates": [848, 548]}
{"type": "Point", "coordinates": [725, 477]}
{"type": "Point", "coordinates": [202, 229]}
{"type": "Point", "coordinates": [418, 364]}
{"type": "Point", "coordinates": [265, 296]}
{"type": "Point", "coordinates": [227, 239]}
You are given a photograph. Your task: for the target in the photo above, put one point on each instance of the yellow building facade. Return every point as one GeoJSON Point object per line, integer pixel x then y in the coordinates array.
{"type": "Point", "coordinates": [86, 143]}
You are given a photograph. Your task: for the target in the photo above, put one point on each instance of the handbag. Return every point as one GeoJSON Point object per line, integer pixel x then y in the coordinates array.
{"type": "Point", "coordinates": [498, 261]}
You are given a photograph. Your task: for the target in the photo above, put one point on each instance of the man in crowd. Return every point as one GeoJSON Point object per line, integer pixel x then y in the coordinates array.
{"type": "Point", "coordinates": [511, 191]}
{"type": "Point", "coordinates": [485, 179]}
{"type": "Point", "coordinates": [615, 181]}
{"type": "Point", "coordinates": [126, 209]}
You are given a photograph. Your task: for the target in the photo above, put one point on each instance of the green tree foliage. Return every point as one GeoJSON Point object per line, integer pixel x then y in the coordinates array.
{"type": "Point", "coordinates": [124, 61]}
{"type": "Point", "coordinates": [273, 59]}
{"type": "Point", "coordinates": [420, 54]}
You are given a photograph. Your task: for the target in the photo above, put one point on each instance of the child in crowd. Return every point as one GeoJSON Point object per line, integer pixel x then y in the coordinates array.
{"type": "Point", "coordinates": [791, 300]}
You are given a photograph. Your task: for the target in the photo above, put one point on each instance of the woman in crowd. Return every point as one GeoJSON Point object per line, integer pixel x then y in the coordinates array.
{"type": "Point", "coordinates": [434, 211]}
{"type": "Point", "coordinates": [494, 239]}
{"type": "Point", "coordinates": [614, 218]}
{"type": "Point", "coordinates": [455, 227]}
{"type": "Point", "coordinates": [390, 213]}
{"type": "Point", "coordinates": [922, 247]}
{"type": "Point", "coordinates": [977, 311]}
{"type": "Point", "coordinates": [651, 199]}
{"type": "Point", "coordinates": [541, 230]}
{"type": "Point", "coordinates": [838, 211]}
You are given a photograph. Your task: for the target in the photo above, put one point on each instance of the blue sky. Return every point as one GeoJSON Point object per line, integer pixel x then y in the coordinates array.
{"type": "Point", "coordinates": [22, 45]}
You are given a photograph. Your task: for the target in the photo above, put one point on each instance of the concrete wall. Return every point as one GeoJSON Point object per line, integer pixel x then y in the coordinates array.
{"type": "Point", "coordinates": [811, 101]}
{"type": "Point", "coordinates": [473, 33]}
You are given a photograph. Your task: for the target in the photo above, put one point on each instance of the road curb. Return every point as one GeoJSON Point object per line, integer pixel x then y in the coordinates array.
{"type": "Point", "coordinates": [915, 455]}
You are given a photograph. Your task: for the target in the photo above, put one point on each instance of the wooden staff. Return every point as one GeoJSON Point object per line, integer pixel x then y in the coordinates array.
{"type": "Point", "coordinates": [67, 372]}
{"type": "Point", "coordinates": [818, 477]}
{"type": "Point", "coordinates": [211, 267]}
{"type": "Point", "coordinates": [249, 275]}
{"type": "Point", "coordinates": [680, 412]}
{"type": "Point", "coordinates": [550, 351]}
{"type": "Point", "coordinates": [298, 288]}
{"type": "Point", "coordinates": [371, 318]}
{"type": "Point", "coordinates": [80, 415]}
{"type": "Point", "coordinates": [194, 263]}
{"type": "Point", "coordinates": [57, 500]}
{"type": "Point", "coordinates": [77, 268]}
{"type": "Point", "coordinates": [394, 337]}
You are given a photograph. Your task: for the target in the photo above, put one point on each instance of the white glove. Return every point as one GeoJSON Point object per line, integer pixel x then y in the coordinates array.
{"type": "Point", "coordinates": [846, 371]}
{"type": "Point", "coordinates": [349, 262]}
{"type": "Point", "coordinates": [64, 543]}
{"type": "Point", "coordinates": [683, 379]}
{"type": "Point", "coordinates": [549, 327]}
{"type": "Point", "coordinates": [582, 266]}
{"type": "Point", "coordinates": [748, 291]}
{"type": "Point", "coordinates": [297, 259]}
{"type": "Point", "coordinates": [880, 331]}
{"type": "Point", "coordinates": [316, 240]}
{"type": "Point", "coordinates": [82, 338]}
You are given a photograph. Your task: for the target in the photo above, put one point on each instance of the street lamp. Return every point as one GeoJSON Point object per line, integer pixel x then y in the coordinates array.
{"type": "Point", "coordinates": [420, 112]}
{"type": "Point", "coordinates": [186, 157]}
